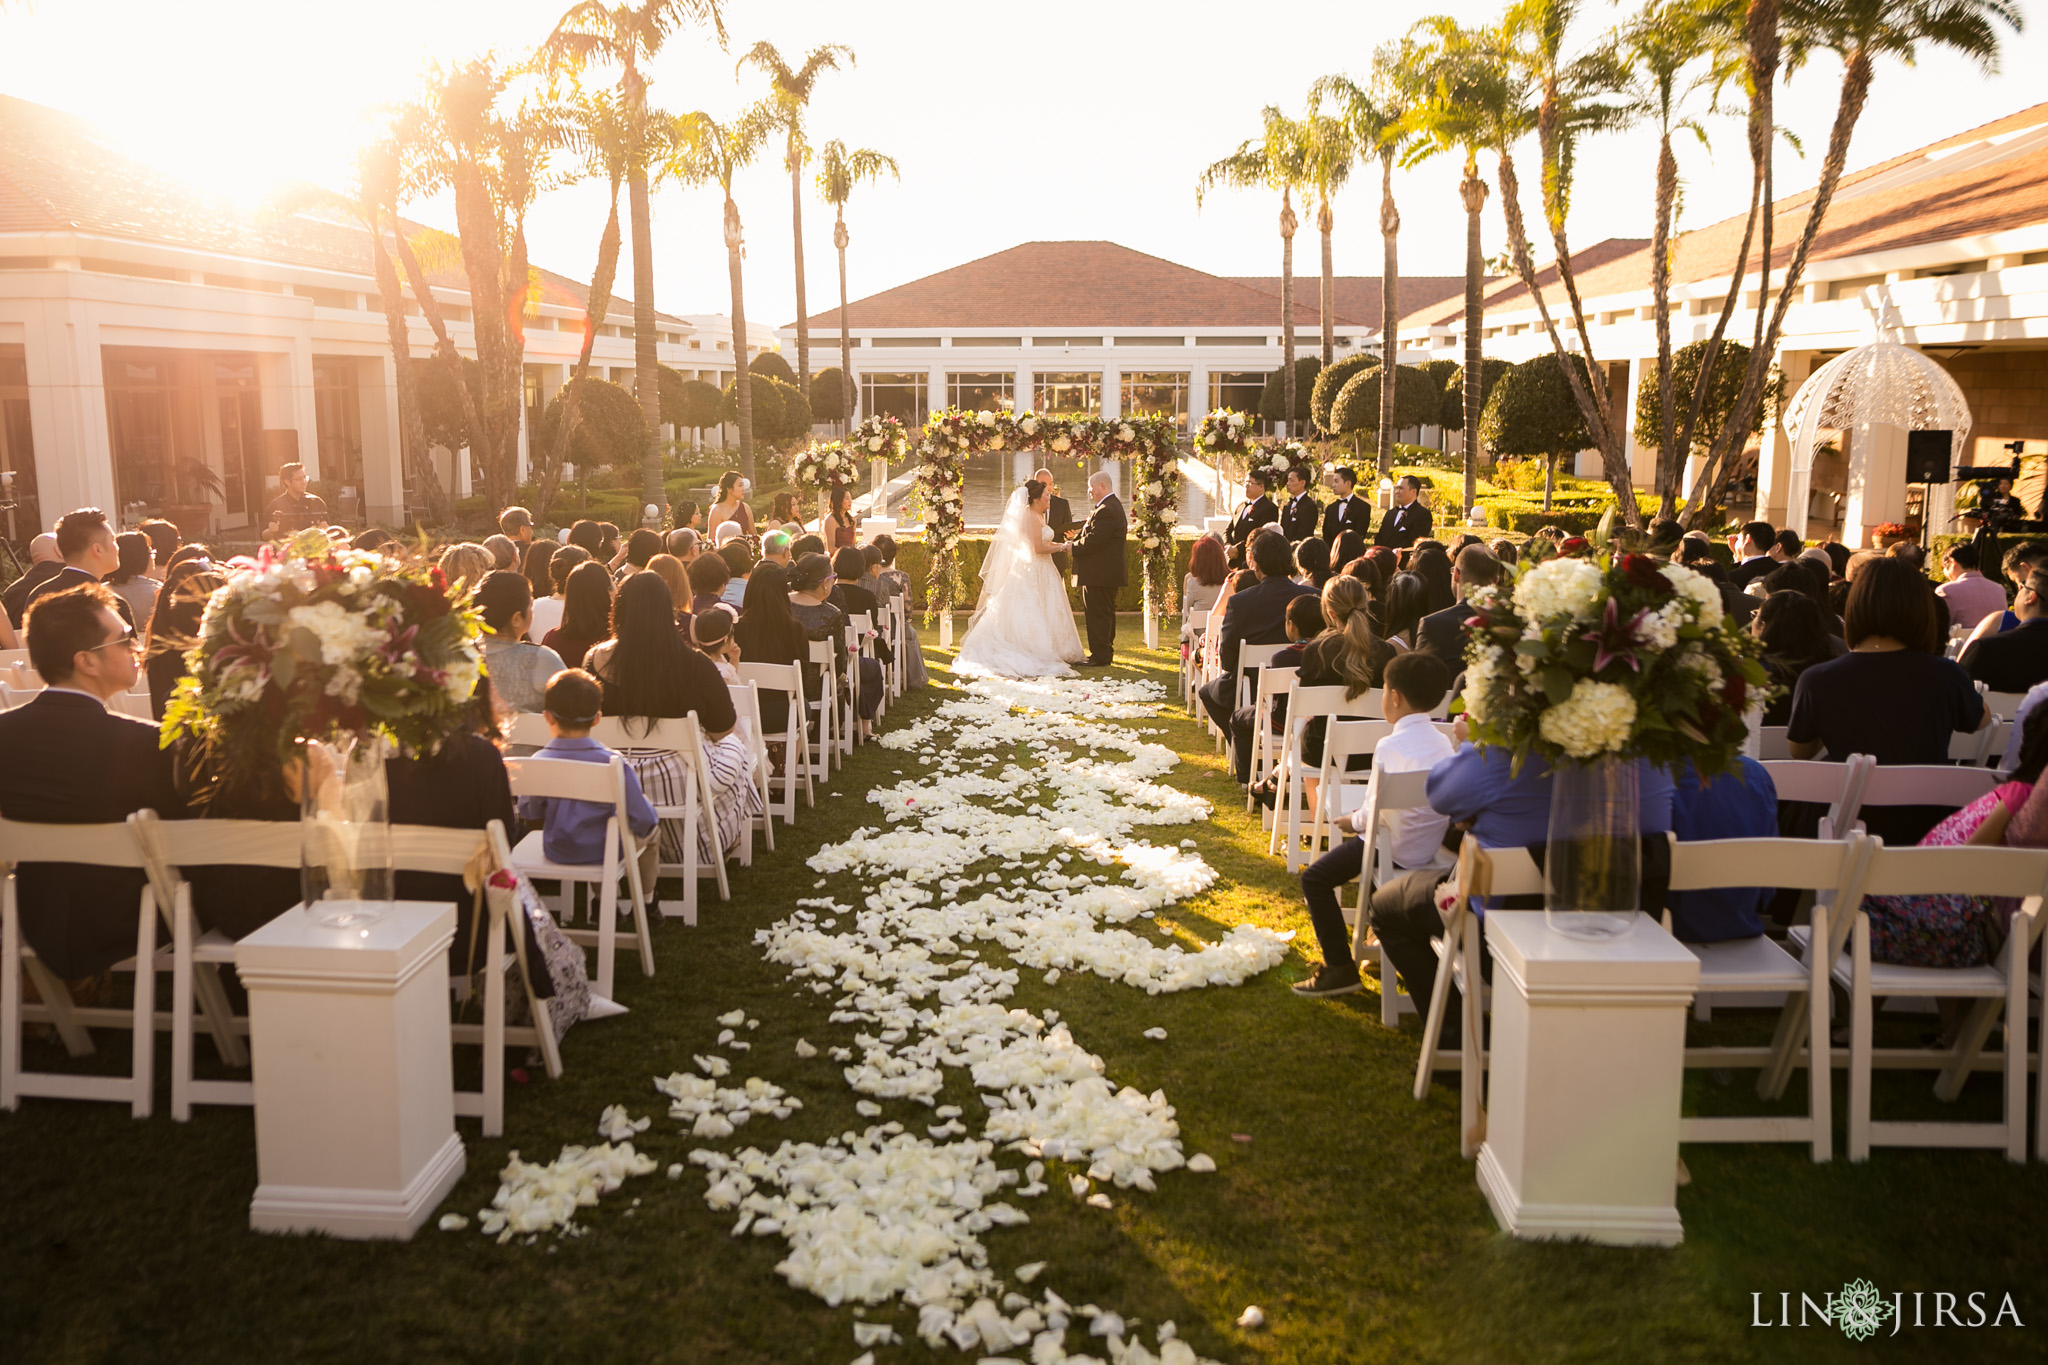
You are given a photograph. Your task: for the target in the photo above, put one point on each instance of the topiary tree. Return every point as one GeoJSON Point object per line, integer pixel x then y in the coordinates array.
{"type": "Point", "coordinates": [771, 365]}
{"type": "Point", "coordinates": [1356, 413]}
{"type": "Point", "coordinates": [1531, 411]}
{"type": "Point", "coordinates": [1330, 382]}
{"type": "Point", "coordinates": [794, 420]}
{"type": "Point", "coordinates": [1731, 365]}
{"type": "Point", "coordinates": [440, 400]}
{"type": "Point", "coordinates": [1452, 416]}
{"type": "Point", "coordinates": [1443, 373]}
{"type": "Point", "coordinates": [781, 413]}
{"type": "Point", "coordinates": [672, 382]}
{"type": "Point", "coordinates": [1273, 399]}
{"type": "Point", "coordinates": [610, 429]}
{"type": "Point", "coordinates": [688, 403]}
{"type": "Point", "coordinates": [828, 390]}
{"type": "Point", "coordinates": [767, 407]}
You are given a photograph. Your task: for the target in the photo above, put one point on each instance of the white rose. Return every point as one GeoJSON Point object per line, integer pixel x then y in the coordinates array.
{"type": "Point", "coordinates": [1061, 443]}
{"type": "Point", "coordinates": [1029, 426]}
{"type": "Point", "coordinates": [1126, 434]}
{"type": "Point", "coordinates": [874, 443]}
{"type": "Point", "coordinates": [1561, 586]}
{"type": "Point", "coordinates": [1210, 439]}
{"type": "Point", "coordinates": [831, 462]}
{"type": "Point", "coordinates": [987, 419]}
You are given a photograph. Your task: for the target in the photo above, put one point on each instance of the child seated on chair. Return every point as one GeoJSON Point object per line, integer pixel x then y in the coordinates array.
{"type": "Point", "coordinates": [1412, 686]}
{"type": "Point", "coordinates": [574, 831]}
{"type": "Point", "coordinates": [712, 634]}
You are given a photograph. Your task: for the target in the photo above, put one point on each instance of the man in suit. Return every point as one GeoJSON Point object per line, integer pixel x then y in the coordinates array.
{"type": "Point", "coordinates": [1407, 521]}
{"type": "Point", "coordinates": [44, 562]}
{"type": "Point", "coordinates": [1099, 564]}
{"type": "Point", "coordinates": [1757, 553]}
{"type": "Point", "coordinates": [1059, 515]}
{"type": "Point", "coordinates": [1348, 512]}
{"type": "Point", "coordinates": [1299, 514]}
{"type": "Point", "coordinates": [1442, 633]}
{"type": "Point", "coordinates": [1254, 616]}
{"type": "Point", "coordinates": [1255, 511]}
{"type": "Point", "coordinates": [2018, 659]}
{"type": "Point", "coordinates": [66, 759]}
{"type": "Point", "coordinates": [87, 544]}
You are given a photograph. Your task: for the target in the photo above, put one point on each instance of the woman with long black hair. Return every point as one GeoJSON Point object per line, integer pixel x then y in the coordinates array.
{"type": "Point", "coordinates": [586, 613]}
{"type": "Point", "coordinates": [1407, 603]}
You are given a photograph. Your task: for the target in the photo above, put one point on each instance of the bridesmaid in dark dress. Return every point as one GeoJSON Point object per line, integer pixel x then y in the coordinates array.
{"type": "Point", "coordinates": [840, 527]}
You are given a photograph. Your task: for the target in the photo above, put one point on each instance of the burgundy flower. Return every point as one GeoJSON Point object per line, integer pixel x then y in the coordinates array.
{"type": "Point", "coordinates": [1643, 572]}
{"type": "Point", "coordinates": [1612, 639]}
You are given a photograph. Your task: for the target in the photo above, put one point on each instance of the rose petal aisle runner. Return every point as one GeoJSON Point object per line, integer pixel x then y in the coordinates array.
{"type": "Point", "coordinates": [1029, 777]}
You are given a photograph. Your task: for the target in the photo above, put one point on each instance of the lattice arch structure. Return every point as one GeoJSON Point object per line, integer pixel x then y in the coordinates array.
{"type": "Point", "coordinates": [1883, 382]}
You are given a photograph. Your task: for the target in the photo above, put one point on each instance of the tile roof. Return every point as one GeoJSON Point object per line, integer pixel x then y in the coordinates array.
{"type": "Point", "coordinates": [1986, 179]}
{"type": "Point", "coordinates": [1507, 291]}
{"type": "Point", "coordinates": [1071, 284]}
{"type": "Point", "coordinates": [58, 174]}
{"type": "Point", "coordinates": [1358, 296]}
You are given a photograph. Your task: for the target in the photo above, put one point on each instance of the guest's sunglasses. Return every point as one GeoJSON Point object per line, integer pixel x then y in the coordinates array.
{"type": "Point", "coordinates": [127, 637]}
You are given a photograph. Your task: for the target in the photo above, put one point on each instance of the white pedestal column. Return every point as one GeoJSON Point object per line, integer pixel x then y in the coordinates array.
{"type": "Point", "coordinates": [355, 1108]}
{"type": "Point", "coordinates": [1588, 1060]}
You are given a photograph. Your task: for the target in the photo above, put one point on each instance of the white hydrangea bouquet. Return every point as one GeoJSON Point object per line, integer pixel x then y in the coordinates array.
{"type": "Point", "coordinates": [880, 437]}
{"type": "Point", "coordinates": [1579, 660]}
{"type": "Point", "coordinates": [1287, 458]}
{"type": "Point", "coordinates": [823, 464]}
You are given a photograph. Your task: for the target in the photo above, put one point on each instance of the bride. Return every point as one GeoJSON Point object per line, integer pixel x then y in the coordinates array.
{"type": "Point", "coordinates": [1023, 627]}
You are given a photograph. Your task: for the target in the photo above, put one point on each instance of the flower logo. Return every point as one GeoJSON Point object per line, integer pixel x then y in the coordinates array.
{"type": "Point", "coordinates": [1860, 1310]}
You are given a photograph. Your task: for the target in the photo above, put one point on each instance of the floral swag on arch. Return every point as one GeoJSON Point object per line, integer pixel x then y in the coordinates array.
{"type": "Point", "coordinates": [1149, 441]}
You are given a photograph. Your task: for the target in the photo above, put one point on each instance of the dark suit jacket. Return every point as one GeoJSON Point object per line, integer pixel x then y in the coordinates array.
{"type": "Point", "coordinates": [1744, 573]}
{"type": "Point", "coordinates": [1257, 616]}
{"type": "Point", "coordinates": [1260, 511]}
{"type": "Point", "coordinates": [1300, 517]}
{"type": "Point", "coordinates": [2012, 662]}
{"type": "Point", "coordinates": [66, 760]}
{"type": "Point", "coordinates": [16, 597]}
{"type": "Point", "coordinates": [1403, 526]}
{"type": "Point", "coordinates": [1099, 549]}
{"type": "Point", "coordinates": [1354, 514]}
{"type": "Point", "coordinates": [64, 580]}
{"type": "Point", "coordinates": [1059, 514]}
{"type": "Point", "coordinates": [1443, 634]}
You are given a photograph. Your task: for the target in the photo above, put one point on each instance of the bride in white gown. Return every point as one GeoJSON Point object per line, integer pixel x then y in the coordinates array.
{"type": "Point", "coordinates": [1023, 626]}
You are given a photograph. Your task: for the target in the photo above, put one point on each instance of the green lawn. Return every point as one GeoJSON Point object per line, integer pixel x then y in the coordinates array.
{"type": "Point", "coordinates": [1347, 1215]}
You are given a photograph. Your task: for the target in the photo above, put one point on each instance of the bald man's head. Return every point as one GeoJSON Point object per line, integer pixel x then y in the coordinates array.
{"type": "Point", "coordinates": [43, 550]}
{"type": "Point", "coordinates": [1043, 475]}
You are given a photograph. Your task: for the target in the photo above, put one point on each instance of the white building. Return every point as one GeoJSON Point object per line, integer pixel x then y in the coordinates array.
{"type": "Point", "coordinates": [143, 325]}
{"type": "Point", "coordinates": [1944, 249]}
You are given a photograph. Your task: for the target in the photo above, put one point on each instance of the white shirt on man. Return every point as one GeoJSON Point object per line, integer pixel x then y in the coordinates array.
{"type": "Point", "coordinates": [1415, 745]}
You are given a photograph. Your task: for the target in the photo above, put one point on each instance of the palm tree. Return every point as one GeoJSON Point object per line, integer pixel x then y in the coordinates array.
{"type": "Point", "coordinates": [1328, 148]}
{"type": "Point", "coordinates": [702, 151]}
{"type": "Point", "coordinates": [838, 172]}
{"type": "Point", "coordinates": [790, 95]}
{"type": "Point", "coordinates": [1858, 32]}
{"type": "Point", "coordinates": [627, 36]}
{"type": "Point", "coordinates": [1278, 160]}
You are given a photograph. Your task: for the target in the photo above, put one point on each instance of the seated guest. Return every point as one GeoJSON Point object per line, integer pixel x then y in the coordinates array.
{"type": "Point", "coordinates": [573, 832]}
{"type": "Point", "coordinates": [503, 550]}
{"type": "Point", "coordinates": [775, 549]}
{"type": "Point", "coordinates": [914, 675]}
{"type": "Point", "coordinates": [1255, 615]}
{"type": "Point", "coordinates": [739, 562]}
{"type": "Point", "coordinates": [45, 561]}
{"type": "Point", "coordinates": [1756, 552]}
{"type": "Point", "coordinates": [174, 626]}
{"type": "Point", "coordinates": [769, 633]}
{"type": "Point", "coordinates": [1346, 654]}
{"type": "Point", "coordinates": [1789, 626]}
{"type": "Point", "coordinates": [670, 571]}
{"type": "Point", "coordinates": [2018, 659]}
{"type": "Point", "coordinates": [641, 546]}
{"type": "Point", "coordinates": [810, 590]}
{"type": "Point", "coordinates": [1304, 623]}
{"type": "Point", "coordinates": [1892, 696]}
{"type": "Point", "coordinates": [1428, 562]}
{"type": "Point", "coordinates": [164, 540]}
{"type": "Point", "coordinates": [1742, 804]}
{"type": "Point", "coordinates": [131, 581]}
{"type": "Point", "coordinates": [87, 544]}
{"type": "Point", "coordinates": [808, 544]}
{"type": "Point", "coordinates": [649, 673]}
{"type": "Point", "coordinates": [683, 543]}
{"type": "Point", "coordinates": [548, 606]}
{"type": "Point", "coordinates": [519, 671]}
{"type": "Point", "coordinates": [533, 562]}
{"type": "Point", "coordinates": [712, 636]}
{"type": "Point", "coordinates": [871, 577]}
{"type": "Point", "coordinates": [1414, 686]}
{"type": "Point", "coordinates": [1312, 557]}
{"type": "Point", "coordinates": [708, 576]}
{"type": "Point", "coordinates": [849, 566]}
{"type": "Point", "coordinates": [1507, 552]}
{"type": "Point", "coordinates": [586, 612]}
{"type": "Point", "coordinates": [1349, 545]}
{"type": "Point", "coordinates": [1208, 568]}
{"type": "Point", "coordinates": [1443, 632]}
{"type": "Point", "coordinates": [1970, 595]}
{"type": "Point", "coordinates": [1407, 602]}
{"type": "Point", "coordinates": [66, 759]}
{"type": "Point", "coordinates": [464, 565]}
{"type": "Point", "coordinates": [375, 539]}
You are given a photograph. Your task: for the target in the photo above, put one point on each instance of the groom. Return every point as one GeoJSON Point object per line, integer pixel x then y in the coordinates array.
{"type": "Point", "coordinates": [1099, 565]}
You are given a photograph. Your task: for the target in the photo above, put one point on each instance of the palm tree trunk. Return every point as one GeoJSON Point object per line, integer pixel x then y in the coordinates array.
{"type": "Point", "coordinates": [1288, 223]}
{"type": "Point", "coordinates": [1390, 312]}
{"type": "Point", "coordinates": [472, 408]}
{"type": "Point", "coordinates": [1325, 222]}
{"type": "Point", "coordinates": [796, 220]}
{"type": "Point", "coordinates": [493, 449]}
{"type": "Point", "coordinates": [1669, 459]}
{"type": "Point", "coordinates": [847, 392]}
{"type": "Point", "coordinates": [1472, 190]}
{"type": "Point", "coordinates": [741, 380]}
{"type": "Point", "coordinates": [646, 368]}
{"type": "Point", "coordinates": [411, 433]}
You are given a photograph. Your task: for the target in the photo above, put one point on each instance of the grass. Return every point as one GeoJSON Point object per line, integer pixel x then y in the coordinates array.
{"type": "Point", "coordinates": [1347, 1215]}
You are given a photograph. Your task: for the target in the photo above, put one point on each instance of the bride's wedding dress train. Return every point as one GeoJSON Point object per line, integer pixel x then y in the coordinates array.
{"type": "Point", "coordinates": [1024, 625]}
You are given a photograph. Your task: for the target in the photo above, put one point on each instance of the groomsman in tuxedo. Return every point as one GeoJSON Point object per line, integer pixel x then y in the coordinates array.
{"type": "Point", "coordinates": [1255, 511]}
{"type": "Point", "coordinates": [1407, 521]}
{"type": "Point", "coordinates": [1349, 512]}
{"type": "Point", "coordinates": [1299, 514]}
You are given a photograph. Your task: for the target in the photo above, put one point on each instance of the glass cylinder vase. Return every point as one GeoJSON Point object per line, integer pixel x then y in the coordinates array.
{"type": "Point", "coordinates": [344, 832]}
{"type": "Point", "coordinates": [1592, 873]}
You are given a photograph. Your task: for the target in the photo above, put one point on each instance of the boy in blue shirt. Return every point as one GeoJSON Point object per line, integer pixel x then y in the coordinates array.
{"type": "Point", "coordinates": [574, 831]}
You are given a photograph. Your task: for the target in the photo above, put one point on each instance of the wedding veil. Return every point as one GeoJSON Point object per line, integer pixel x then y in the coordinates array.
{"type": "Point", "coordinates": [1009, 554]}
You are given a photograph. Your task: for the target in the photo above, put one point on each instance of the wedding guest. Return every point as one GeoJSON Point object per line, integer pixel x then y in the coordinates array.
{"type": "Point", "coordinates": [548, 611]}
{"type": "Point", "coordinates": [840, 526]}
{"type": "Point", "coordinates": [810, 587]}
{"type": "Point", "coordinates": [682, 544]}
{"type": "Point", "coordinates": [86, 543]}
{"type": "Point", "coordinates": [1432, 565]}
{"type": "Point", "coordinates": [589, 535]}
{"type": "Point", "coordinates": [375, 539]}
{"type": "Point", "coordinates": [849, 566]}
{"type": "Point", "coordinates": [769, 633]}
{"type": "Point", "coordinates": [725, 534]}
{"type": "Point", "coordinates": [807, 544]}
{"type": "Point", "coordinates": [71, 760]}
{"type": "Point", "coordinates": [164, 540]}
{"type": "Point", "coordinates": [914, 675]}
{"type": "Point", "coordinates": [1407, 602]}
{"type": "Point", "coordinates": [574, 833]}
{"type": "Point", "coordinates": [1742, 804]}
{"type": "Point", "coordinates": [2019, 562]}
{"type": "Point", "coordinates": [2018, 659]}
{"type": "Point", "coordinates": [650, 674]}
{"type": "Point", "coordinates": [130, 580]}
{"type": "Point", "coordinates": [516, 525]}
{"type": "Point", "coordinates": [503, 551]}
{"type": "Point", "coordinates": [775, 549]}
{"type": "Point", "coordinates": [45, 561]}
{"type": "Point", "coordinates": [731, 504]}
{"type": "Point", "coordinates": [1893, 696]}
{"type": "Point", "coordinates": [1304, 623]}
{"type": "Point", "coordinates": [1413, 687]}
{"type": "Point", "coordinates": [174, 626]}
{"type": "Point", "coordinates": [689, 517]}
{"type": "Point", "coordinates": [739, 562]}
{"type": "Point", "coordinates": [708, 577]}
{"type": "Point", "coordinates": [1755, 552]}
{"type": "Point", "coordinates": [519, 670]}
{"type": "Point", "coordinates": [641, 546]}
{"type": "Point", "coordinates": [1255, 511]}
{"type": "Point", "coordinates": [1312, 558]}
{"type": "Point", "coordinates": [1346, 654]}
{"type": "Point", "coordinates": [1300, 515]}
{"type": "Point", "coordinates": [782, 509]}
{"type": "Point", "coordinates": [534, 564]}
{"type": "Point", "coordinates": [671, 572]}
{"type": "Point", "coordinates": [712, 635]}
{"type": "Point", "coordinates": [1347, 511]}
{"type": "Point", "coordinates": [1255, 615]}
{"type": "Point", "coordinates": [1444, 632]}
{"type": "Point", "coordinates": [465, 564]}
{"type": "Point", "coordinates": [609, 550]}
{"type": "Point", "coordinates": [1346, 549]}
{"type": "Point", "coordinates": [1794, 638]}
{"type": "Point", "coordinates": [1202, 584]}
{"type": "Point", "coordinates": [586, 613]}
{"type": "Point", "coordinates": [872, 580]}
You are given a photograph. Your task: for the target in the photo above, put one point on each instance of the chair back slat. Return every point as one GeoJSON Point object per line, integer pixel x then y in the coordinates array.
{"type": "Point", "coordinates": [2004, 705]}
{"type": "Point", "coordinates": [1792, 864]}
{"type": "Point", "coordinates": [569, 779]}
{"type": "Point", "coordinates": [1926, 785]}
{"type": "Point", "coordinates": [243, 843]}
{"type": "Point", "coordinates": [432, 848]}
{"type": "Point", "coordinates": [1813, 780]}
{"type": "Point", "coordinates": [1968, 871]}
{"type": "Point", "coordinates": [99, 845]}
{"type": "Point", "coordinates": [527, 727]}
{"type": "Point", "coordinates": [1329, 700]}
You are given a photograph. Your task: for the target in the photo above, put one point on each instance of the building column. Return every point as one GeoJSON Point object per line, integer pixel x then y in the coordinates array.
{"type": "Point", "coordinates": [1112, 391]}
{"type": "Point", "coordinates": [935, 390]}
{"type": "Point", "coordinates": [1198, 394]}
{"type": "Point", "coordinates": [1021, 383]}
{"type": "Point", "coordinates": [1642, 459]}
{"type": "Point", "coordinates": [1774, 449]}
{"type": "Point", "coordinates": [383, 458]}
{"type": "Point", "coordinates": [67, 404]}
{"type": "Point", "coordinates": [286, 386]}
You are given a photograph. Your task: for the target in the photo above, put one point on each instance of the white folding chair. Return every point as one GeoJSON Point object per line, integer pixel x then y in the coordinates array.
{"type": "Point", "coordinates": [9, 658]}
{"type": "Point", "coordinates": [1303, 705]}
{"type": "Point", "coordinates": [1833, 870]}
{"type": "Point", "coordinates": [860, 644]}
{"type": "Point", "coordinates": [1191, 668]}
{"type": "Point", "coordinates": [788, 679]}
{"type": "Point", "coordinates": [1838, 786]}
{"type": "Point", "coordinates": [2004, 705]}
{"type": "Point", "coordinates": [746, 704]}
{"type": "Point", "coordinates": [1249, 657]}
{"type": "Point", "coordinates": [683, 737]}
{"type": "Point", "coordinates": [1481, 872]}
{"type": "Point", "coordinates": [2020, 873]}
{"type": "Point", "coordinates": [104, 845]}
{"type": "Point", "coordinates": [1274, 683]}
{"type": "Point", "coordinates": [826, 751]}
{"type": "Point", "coordinates": [603, 784]}
{"type": "Point", "coordinates": [1934, 784]}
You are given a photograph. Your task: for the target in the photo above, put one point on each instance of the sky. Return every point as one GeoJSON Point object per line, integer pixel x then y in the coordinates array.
{"type": "Point", "coordinates": [1054, 119]}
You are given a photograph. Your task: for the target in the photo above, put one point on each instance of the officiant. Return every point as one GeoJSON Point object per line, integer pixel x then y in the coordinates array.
{"type": "Point", "coordinates": [1059, 515]}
